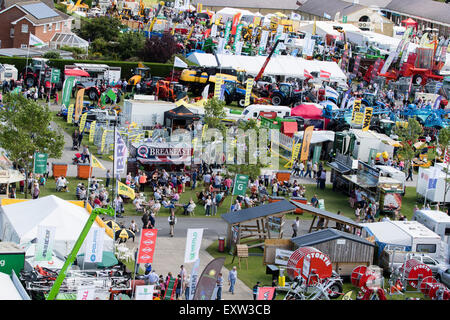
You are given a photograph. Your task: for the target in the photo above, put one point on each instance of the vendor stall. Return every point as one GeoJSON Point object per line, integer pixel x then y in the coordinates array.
{"type": "Point", "coordinates": [391, 193]}
{"type": "Point", "coordinates": [365, 181]}
{"type": "Point", "coordinates": [342, 165]}
{"type": "Point", "coordinates": [179, 118]}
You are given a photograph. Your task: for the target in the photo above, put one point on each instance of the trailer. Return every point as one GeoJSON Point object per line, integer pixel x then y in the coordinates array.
{"type": "Point", "coordinates": [145, 111]}
{"type": "Point", "coordinates": [98, 72]}
{"type": "Point", "coordinates": [437, 194]}
{"type": "Point", "coordinates": [8, 72]}
{"type": "Point", "coordinates": [436, 221]}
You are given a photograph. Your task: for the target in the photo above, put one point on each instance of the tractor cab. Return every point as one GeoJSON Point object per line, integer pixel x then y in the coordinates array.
{"type": "Point", "coordinates": [285, 88]}
{"type": "Point", "coordinates": [140, 74]}
{"type": "Point", "coordinates": [241, 76]}
{"type": "Point", "coordinates": [37, 71]}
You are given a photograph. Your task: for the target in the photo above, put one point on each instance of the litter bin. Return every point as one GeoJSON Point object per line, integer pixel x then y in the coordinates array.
{"type": "Point", "coordinates": [221, 244]}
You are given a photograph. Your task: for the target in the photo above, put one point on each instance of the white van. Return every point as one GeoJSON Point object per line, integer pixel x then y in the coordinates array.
{"type": "Point", "coordinates": [8, 72]}
{"type": "Point", "coordinates": [252, 111]}
{"type": "Point", "coordinates": [436, 221]}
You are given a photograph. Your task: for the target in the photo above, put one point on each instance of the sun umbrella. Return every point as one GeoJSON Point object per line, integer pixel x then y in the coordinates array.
{"type": "Point", "coordinates": [108, 260]}
{"type": "Point", "coordinates": [76, 72]}
{"type": "Point", "coordinates": [112, 224]}
{"type": "Point", "coordinates": [124, 234]}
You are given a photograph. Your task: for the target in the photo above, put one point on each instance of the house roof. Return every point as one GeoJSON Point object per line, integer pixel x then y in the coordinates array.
{"type": "Point", "coordinates": [325, 235]}
{"type": "Point", "coordinates": [425, 9]}
{"type": "Point", "coordinates": [250, 4]}
{"type": "Point", "coordinates": [38, 13]}
{"type": "Point", "coordinates": [330, 7]}
{"type": "Point", "coordinates": [9, 3]}
{"type": "Point", "coordinates": [258, 212]}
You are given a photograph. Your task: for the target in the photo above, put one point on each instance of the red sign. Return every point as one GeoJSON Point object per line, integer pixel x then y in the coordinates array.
{"type": "Point", "coordinates": [236, 18]}
{"type": "Point", "coordinates": [307, 74]}
{"type": "Point", "coordinates": [265, 293]}
{"type": "Point", "coordinates": [147, 245]}
{"type": "Point", "coordinates": [325, 74]}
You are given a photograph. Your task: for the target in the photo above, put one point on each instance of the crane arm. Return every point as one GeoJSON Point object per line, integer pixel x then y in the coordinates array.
{"type": "Point", "coordinates": [261, 72]}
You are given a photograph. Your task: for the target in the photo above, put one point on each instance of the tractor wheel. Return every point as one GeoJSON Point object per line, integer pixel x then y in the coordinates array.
{"type": "Point", "coordinates": [241, 103]}
{"type": "Point", "coordinates": [277, 100]}
{"type": "Point", "coordinates": [417, 79]}
{"type": "Point", "coordinates": [228, 99]}
{"type": "Point", "coordinates": [30, 81]}
{"type": "Point", "coordinates": [92, 94]}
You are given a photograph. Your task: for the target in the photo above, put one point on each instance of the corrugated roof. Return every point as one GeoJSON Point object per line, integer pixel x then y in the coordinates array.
{"type": "Point", "coordinates": [258, 212]}
{"type": "Point", "coordinates": [326, 214]}
{"type": "Point", "coordinates": [330, 7]}
{"type": "Point", "coordinates": [329, 234]}
{"type": "Point", "coordinates": [427, 9]}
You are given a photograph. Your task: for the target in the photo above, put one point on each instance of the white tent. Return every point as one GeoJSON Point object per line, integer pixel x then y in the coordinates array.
{"type": "Point", "coordinates": [8, 290]}
{"type": "Point", "coordinates": [288, 66]}
{"type": "Point", "coordinates": [19, 222]}
{"type": "Point", "coordinates": [386, 232]}
{"type": "Point", "coordinates": [323, 28]}
{"type": "Point", "coordinates": [229, 13]}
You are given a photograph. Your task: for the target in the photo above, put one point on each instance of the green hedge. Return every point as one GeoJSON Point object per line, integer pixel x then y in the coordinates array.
{"type": "Point", "coordinates": [157, 69]}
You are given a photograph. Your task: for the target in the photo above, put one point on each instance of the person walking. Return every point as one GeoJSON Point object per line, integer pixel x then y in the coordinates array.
{"type": "Point", "coordinates": [208, 204]}
{"type": "Point", "coordinates": [172, 221]}
{"type": "Point", "coordinates": [308, 169]}
{"type": "Point", "coordinates": [295, 227]}
{"type": "Point", "coordinates": [255, 290]}
{"type": "Point", "coordinates": [410, 172]}
{"type": "Point", "coordinates": [108, 178]}
{"type": "Point", "coordinates": [232, 277]}
{"type": "Point", "coordinates": [219, 285]}
{"type": "Point", "coordinates": [178, 287]}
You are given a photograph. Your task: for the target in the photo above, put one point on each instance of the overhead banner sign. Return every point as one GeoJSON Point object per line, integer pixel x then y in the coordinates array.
{"type": "Point", "coordinates": [367, 117]}
{"type": "Point", "coordinates": [40, 163]}
{"type": "Point", "coordinates": [45, 242]}
{"type": "Point", "coordinates": [94, 245]}
{"type": "Point", "coordinates": [240, 184]}
{"type": "Point", "coordinates": [307, 135]}
{"type": "Point", "coordinates": [193, 243]}
{"type": "Point", "coordinates": [145, 292]}
{"type": "Point", "coordinates": [147, 245]}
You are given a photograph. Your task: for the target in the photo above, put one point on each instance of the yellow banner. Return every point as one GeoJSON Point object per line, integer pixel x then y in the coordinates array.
{"type": "Point", "coordinates": [199, 7]}
{"type": "Point", "coordinates": [307, 135]}
{"type": "Point", "coordinates": [356, 108]}
{"type": "Point", "coordinates": [359, 117]}
{"type": "Point", "coordinates": [103, 140]}
{"type": "Point", "coordinates": [367, 117]}
{"type": "Point", "coordinates": [69, 113]}
{"type": "Point", "coordinates": [79, 104]}
{"type": "Point", "coordinates": [217, 86]}
{"type": "Point", "coordinates": [125, 190]}
{"type": "Point", "coordinates": [83, 121]}
{"type": "Point", "coordinates": [248, 91]}
{"type": "Point", "coordinates": [92, 131]}
{"type": "Point", "coordinates": [218, 20]}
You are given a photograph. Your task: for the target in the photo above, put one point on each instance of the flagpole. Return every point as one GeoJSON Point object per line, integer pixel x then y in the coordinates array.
{"type": "Point", "coordinates": [133, 292]}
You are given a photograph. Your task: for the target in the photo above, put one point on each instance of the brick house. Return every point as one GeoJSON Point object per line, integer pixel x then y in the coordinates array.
{"type": "Point", "coordinates": [20, 18]}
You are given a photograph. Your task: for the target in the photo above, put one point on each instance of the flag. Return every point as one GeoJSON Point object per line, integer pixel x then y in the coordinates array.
{"type": "Point", "coordinates": [83, 121]}
{"type": "Point", "coordinates": [45, 241]}
{"type": "Point", "coordinates": [178, 63]}
{"type": "Point", "coordinates": [205, 92]}
{"type": "Point", "coordinates": [95, 163]}
{"type": "Point", "coordinates": [79, 105]}
{"type": "Point", "coordinates": [147, 245]}
{"type": "Point", "coordinates": [92, 131]}
{"type": "Point", "coordinates": [34, 41]}
{"type": "Point", "coordinates": [69, 113]}
{"type": "Point", "coordinates": [356, 108]}
{"type": "Point", "coordinates": [125, 190]}
{"type": "Point", "coordinates": [345, 98]}
{"type": "Point", "coordinates": [69, 82]}
{"type": "Point", "coordinates": [94, 245]}
{"type": "Point", "coordinates": [193, 243]}
{"type": "Point", "coordinates": [145, 292]}
{"type": "Point", "coordinates": [236, 19]}
{"type": "Point", "coordinates": [194, 278]}
{"type": "Point", "coordinates": [265, 293]}
{"type": "Point", "coordinates": [331, 93]}
{"type": "Point", "coordinates": [432, 181]}
{"type": "Point", "coordinates": [248, 91]}
{"type": "Point", "coordinates": [307, 74]}
{"type": "Point", "coordinates": [325, 74]}
{"type": "Point", "coordinates": [208, 278]}
{"type": "Point", "coordinates": [367, 118]}
{"type": "Point", "coordinates": [120, 154]}
{"type": "Point", "coordinates": [307, 135]}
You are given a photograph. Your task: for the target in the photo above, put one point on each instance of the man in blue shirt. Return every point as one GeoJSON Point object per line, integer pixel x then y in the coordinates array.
{"type": "Point", "coordinates": [194, 179]}
{"type": "Point", "coordinates": [232, 276]}
{"type": "Point", "coordinates": [219, 285]}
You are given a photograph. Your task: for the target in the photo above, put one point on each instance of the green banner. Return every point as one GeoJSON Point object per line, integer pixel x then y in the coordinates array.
{"type": "Point", "coordinates": [55, 76]}
{"type": "Point", "coordinates": [237, 37]}
{"type": "Point", "coordinates": [40, 163]}
{"type": "Point", "coordinates": [67, 90]}
{"type": "Point", "coordinates": [227, 34]}
{"type": "Point", "coordinates": [316, 155]}
{"type": "Point", "coordinates": [110, 94]}
{"type": "Point", "coordinates": [240, 185]}
{"type": "Point", "coordinates": [17, 90]}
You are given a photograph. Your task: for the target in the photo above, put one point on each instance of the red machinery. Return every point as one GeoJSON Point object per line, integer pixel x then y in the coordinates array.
{"type": "Point", "coordinates": [369, 282]}
{"type": "Point", "coordinates": [415, 271]}
{"type": "Point", "coordinates": [305, 260]}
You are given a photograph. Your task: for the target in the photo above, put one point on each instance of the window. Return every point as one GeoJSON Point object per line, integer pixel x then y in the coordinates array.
{"type": "Point", "coordinates": [429, 248]}
{"type": "Point", "coordinates": [11, 32]}
{"type": "Point", "coordinates": [45, 28]}
{"type": "Point", "coordinates": [50, 25]}
{"type": "Point", "coordinates": [255, 114]}
{"type": "Point", "coordinates": [25, 28]}
{"type": "Point", "coordinates": [23, 46]}
{"type": "Point", "coordinates": [429, 261]}
{"type": "Point", "coordinates": [447, 231]}
{"type": "Point", "coordinates": [58, 26]}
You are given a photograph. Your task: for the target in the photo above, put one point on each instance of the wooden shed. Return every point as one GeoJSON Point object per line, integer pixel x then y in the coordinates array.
{"type": "Point", "coordinates": [345, 250]}
{"type": "Point", "coordinates": [260, 223]}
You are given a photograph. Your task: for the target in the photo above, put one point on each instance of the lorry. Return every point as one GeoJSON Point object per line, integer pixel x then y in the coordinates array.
{"type": "Point", "coordinates": [8, 72]}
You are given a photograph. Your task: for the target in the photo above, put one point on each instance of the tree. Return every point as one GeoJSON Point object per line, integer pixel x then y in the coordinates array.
{"type": "Point", "coordinates": [408, 135]}
{"type": "Point", "coordinates": [107, 28]}
{"type": "Point", "coordinates": [130, 44]}
{"type": "Point", "coordinates": [159, 49]}
{"type": "Point", "coordinates": [214, 112]}
{"type": "Point", "coordinates": [25, 129]}
{"type": "Point", "coordinates": [52, 55]}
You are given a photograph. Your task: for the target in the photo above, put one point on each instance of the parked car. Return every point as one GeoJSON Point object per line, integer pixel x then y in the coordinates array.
{"type": "Point", "coordinates": [434, 264]}
{"type": "Point", "coordinates": [443, 276]}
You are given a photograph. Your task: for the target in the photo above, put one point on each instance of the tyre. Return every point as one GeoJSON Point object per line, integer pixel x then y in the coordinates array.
{"type": "Point", "coordinates": [30, 81]}
{"type": "Point", "coordinates": [336, 290]}
{"type": "Point", "coordinates": [277, 100]}
{"type": "Point", "coordinates": [417, 79]}
{"type": "Point", "coordinates": [228, 99]}
{"type": "Point", "coordinates": [241, 103]}
{"type": "Point", "coordinates": [92, 94]}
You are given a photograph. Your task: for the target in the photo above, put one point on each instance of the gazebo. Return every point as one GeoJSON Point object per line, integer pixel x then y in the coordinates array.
{"type": "Point", "coordinates": [410, 23]}
{"type": "Point", "coordinates": [260, 223]}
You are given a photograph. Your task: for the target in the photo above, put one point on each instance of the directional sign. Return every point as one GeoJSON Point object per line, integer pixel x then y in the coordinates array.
{"type": "Point", "coordinates": [147, 245]}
